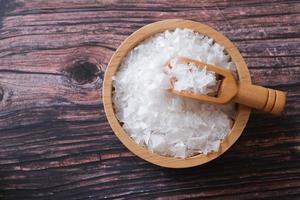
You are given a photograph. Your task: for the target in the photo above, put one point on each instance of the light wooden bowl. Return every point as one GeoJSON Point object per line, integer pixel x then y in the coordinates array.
{"type": "Point", "coordinates": [132, 41]}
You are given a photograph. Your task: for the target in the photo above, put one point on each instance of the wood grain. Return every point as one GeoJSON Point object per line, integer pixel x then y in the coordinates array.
{"type": "Point", "coordinates": [55, 142]}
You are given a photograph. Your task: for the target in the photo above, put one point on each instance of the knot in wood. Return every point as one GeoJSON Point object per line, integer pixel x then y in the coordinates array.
{"type": "Point", "coordinates": [84, 72]}
{"type": "Point", "coordinates": [1, 94]}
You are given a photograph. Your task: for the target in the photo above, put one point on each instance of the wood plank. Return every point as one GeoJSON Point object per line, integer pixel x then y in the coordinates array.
{"type": "Point", "coordinates": [55, 142]}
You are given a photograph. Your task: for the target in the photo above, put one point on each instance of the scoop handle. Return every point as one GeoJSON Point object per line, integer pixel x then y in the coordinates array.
{"type": "Point", "coordinates": [261, 98]}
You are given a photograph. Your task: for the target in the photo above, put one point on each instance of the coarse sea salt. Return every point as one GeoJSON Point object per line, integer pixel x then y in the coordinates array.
{"type": "Point", "coordinates": [189, 77]}
{"type": "Point", "coordinates": [162, 122]}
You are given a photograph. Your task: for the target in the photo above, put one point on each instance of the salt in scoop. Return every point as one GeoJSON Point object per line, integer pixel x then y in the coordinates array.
{"type": "Point", "coordinates": [230, 89]}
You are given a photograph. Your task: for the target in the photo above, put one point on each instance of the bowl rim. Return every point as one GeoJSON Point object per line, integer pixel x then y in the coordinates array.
{"type": "Point", "coordinates": [133, 40]}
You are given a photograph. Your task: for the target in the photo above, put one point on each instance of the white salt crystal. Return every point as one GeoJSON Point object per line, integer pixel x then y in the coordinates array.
{"type": "Point", "coordinates": [164, 123]}
{"type": "Point", "coordinates": [179, 150]}
{"type": "Point", "coordinates": [189, 77]}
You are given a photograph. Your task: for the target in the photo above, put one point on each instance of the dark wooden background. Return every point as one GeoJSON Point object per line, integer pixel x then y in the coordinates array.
{"type": "Point", "coordinates": [55, 142]}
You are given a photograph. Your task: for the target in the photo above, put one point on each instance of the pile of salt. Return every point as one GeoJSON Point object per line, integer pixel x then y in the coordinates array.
{"type": "Point", "coordinates": [191, 78]}
{"type": "Point", "coordinates": [164, 123]}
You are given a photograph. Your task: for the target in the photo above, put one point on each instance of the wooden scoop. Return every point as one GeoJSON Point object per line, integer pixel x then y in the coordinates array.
{"type": "Point", "coordinates": [254, 96]}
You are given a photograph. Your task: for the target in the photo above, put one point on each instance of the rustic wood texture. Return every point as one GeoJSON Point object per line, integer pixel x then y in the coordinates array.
{"type": "Point", "coordinates": [55, 142]}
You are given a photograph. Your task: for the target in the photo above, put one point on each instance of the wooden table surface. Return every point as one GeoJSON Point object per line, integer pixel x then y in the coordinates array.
{"type": "Point", "coordinates": [55, 141]}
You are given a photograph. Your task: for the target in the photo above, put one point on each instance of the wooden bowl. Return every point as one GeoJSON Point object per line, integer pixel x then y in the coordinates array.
{"type": "Point", "coordinates": [132, 41]}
